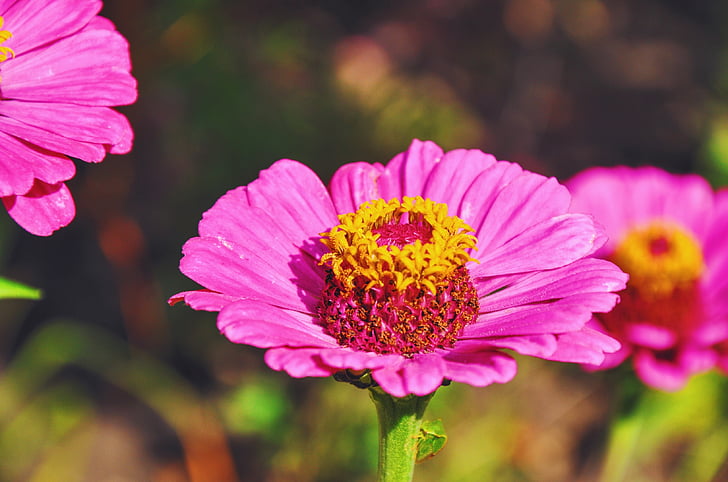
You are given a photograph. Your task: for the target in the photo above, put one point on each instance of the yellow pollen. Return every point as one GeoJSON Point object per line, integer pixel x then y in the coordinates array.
{"type": "Point", "coordinates": [358, 259]}
{"type": "Point", "coordinates": [5, 52]}
{"type": "Point", "coordinates": [660, 258]}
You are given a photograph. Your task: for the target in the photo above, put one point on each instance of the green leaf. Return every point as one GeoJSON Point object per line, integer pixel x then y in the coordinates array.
{"type": "Point", "coordinates": [13, 289]}
{"type": "Point", "coordinates": [432, 439]}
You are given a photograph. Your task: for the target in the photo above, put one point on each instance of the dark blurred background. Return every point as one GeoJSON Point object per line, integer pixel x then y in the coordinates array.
{"type": "Point", "coordinates": [101, 380]}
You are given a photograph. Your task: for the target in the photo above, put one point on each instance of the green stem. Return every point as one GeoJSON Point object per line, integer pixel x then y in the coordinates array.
{"type": "Point", "coordinates": [400, 420]}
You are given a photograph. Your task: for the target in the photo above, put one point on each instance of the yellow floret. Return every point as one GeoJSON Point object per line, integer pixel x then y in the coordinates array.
{"type": "Point", "coordinates": [657, 273]}
{"type": "Point", "coordinates": [356, 257]}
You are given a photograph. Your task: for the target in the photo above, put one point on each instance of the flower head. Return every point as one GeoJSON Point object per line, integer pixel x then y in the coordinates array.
{"type": "Point", "coordinates": [415, 272]}
{"type": "Point", "coordinates": [61, 69]}
{"type": "Point", "coordinates": [667, 232]}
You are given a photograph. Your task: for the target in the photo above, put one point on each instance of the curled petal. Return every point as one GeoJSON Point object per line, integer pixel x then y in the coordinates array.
{"type": "Point", "coordinates": [43, 209]}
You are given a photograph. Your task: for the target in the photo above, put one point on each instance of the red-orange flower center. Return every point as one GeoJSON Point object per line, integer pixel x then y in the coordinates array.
{"type": "Point", "coordinates": [664, 263]}
{"type": "Point", "coordinates": [397, 281]}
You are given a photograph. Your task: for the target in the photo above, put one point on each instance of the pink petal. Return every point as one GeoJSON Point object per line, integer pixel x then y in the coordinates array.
{"type": "Point", "coordinates": [99, 125]}
{"type": "Point", "coordinates": [532, 345]}
{"type": "Point", "coordinates": [264, 326]}
{"type": "Point", "coordinates": [86, 68]}
{"type": "Point", "coordinates": [21, 164]}
{"type": "Point", "coordinates": [203, 300]}
{"type": "Point", "coordinates": [560, 316]}
{"type": "Point", "coordinates": [662, 374]}
{"type": "Point", "coordinates": [298, 362]}
{"type": "Point", "coordinates": [44, 209]}
{"type": "Point", "coordinates": [36, 22]}
{"type": "Point", "coordinates": [252, 233]}
{"type": "Point", "coordinates": [716, 256]}
{"type": "Point", "coordinates": [280, 216]}
{"type": "Point", "coordinates": [420, 375]}
{"type": "Point", "coordinates": [451, 178]}
{"type": "Point", "coordinates": [550, 244]}
{"type": "Point", "coordinates": [354, 184]}
{"type": "Point", "coordinates": [650, 336]}
{"type": "Point", "coordinates": [85, 151]}
{"type": "Point", "coordinates": [611, 359]}
{"type": "Point", "coordinates": [407, 172]}
{"type": "Point", "coordinates": [295, 197]}
{"type": "Point", "coordinates": [346, 358]}
{"type": "Point", "coordinates": [481, 368]}
{"type": "Point", "coordinates": [584, 346]}
{"type": "Point", "coordinates": [217, 267]}
{"type": "Point", "coordinates": [583, 276]}
{"type": "Point", "coordinates": [483, 192]}
{"type": "Point", "coordinates": [639, 196]}
{"type": "Point", "coordinates": [523, 203]}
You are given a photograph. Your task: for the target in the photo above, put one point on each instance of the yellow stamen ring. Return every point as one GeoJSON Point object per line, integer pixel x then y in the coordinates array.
{"type": "Point", "coordinates": [357, 257]}
{"type": "Point", "coordinates": [660, 258]}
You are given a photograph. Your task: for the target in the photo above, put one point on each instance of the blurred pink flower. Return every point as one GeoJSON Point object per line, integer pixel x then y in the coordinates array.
{"type": "Point", "coordinates": [404, 288]}
{"type": "Point", "coordinates": [668, 233]}
{"type": "Point", "coordinates": [62, 68]}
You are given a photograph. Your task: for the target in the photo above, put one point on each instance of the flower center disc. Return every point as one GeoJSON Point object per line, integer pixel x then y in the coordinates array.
{"type": "Point", "coordinates": [664, 263]}
{"type": "Point", "coordinates": [397, 281]}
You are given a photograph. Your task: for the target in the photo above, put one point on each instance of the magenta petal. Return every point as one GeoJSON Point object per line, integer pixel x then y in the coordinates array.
{"type": "Point", "coordinates": [93, 74]}
{"type": "Point", "coordinates": [641, 195]}
{"type": "Point", "coordinates": [523, 203]}
{"type": "Point", "coordinates": [584, 346]}
{"type": "Point", "coordinates": [250, 234]}
{"type": "Point", "coordinates": [298, 362]}
{"type": "Point", "coordinates": [483, 192]}
{"type": "Point", "coordinates": [650, 336]}
{"type": "Point", "coordinates": [44, 209]}
{"type": "Point", "coordinates": [21, 164]}
{"type": "Point", "coordinates": [85, 151]}
{"type": "Point", "coordinates": [346, 358]}
{"type": "Point", "coordinates": [560, 316]}
{"type": "Point", "coordinates": [533, 345]}
{"type": "Point", "coordinates": [550, 244]}
{"type": "Point", "coordinates": [583, 276]}
{"type": "Point", "coordinates": [265, 326]}
{"type": "Point", "coordinates": [665, 375]}
{"type": "Point", "coordinates": [36, 22]}
{"type": "Point", "coordinates": [354, 184]}
{"type": "Point", "coordinates": [716, 255]}
{"type": "Point", "coordinates": [100, 125]}
{"type": "Point", "coordinates": [423, 373]}
{"type": "Point", "coordinates": [295, 197]}
{"type": "Point", "coordinates": [407, 172]}
{"type": "Point", "coordinates": [480, 369]}
{"type": "Point", "coordinates": [244, 275]}
{"type": "Point", "coordinates": [204, 300]}
{"type": "Point", "coordinates": [453, 176]}
{"type": "Point", "coordinates": [420, 375]}
{"type": "Point", "coordinates": [259, 218]}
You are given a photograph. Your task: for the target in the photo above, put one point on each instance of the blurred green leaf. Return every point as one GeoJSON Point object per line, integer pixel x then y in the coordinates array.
{"type": "Point", "coordinates": [432, 439]}
{"type": "Point", "coordinates": [13, 289]}
{"type": "Point", "coordinates": [258, 406]}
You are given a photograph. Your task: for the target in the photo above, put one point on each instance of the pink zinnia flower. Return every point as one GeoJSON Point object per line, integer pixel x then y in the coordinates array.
{"type": "Point", "coordinates": [666, 232]}
{"type": "Point", "coordinates": [418, 271]}
{"type": "Point", "coordinates": [62, 68]}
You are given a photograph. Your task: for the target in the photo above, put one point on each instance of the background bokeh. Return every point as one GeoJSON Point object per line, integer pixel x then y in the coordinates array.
{"type": "Point", "coordinates": [102, 381]}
